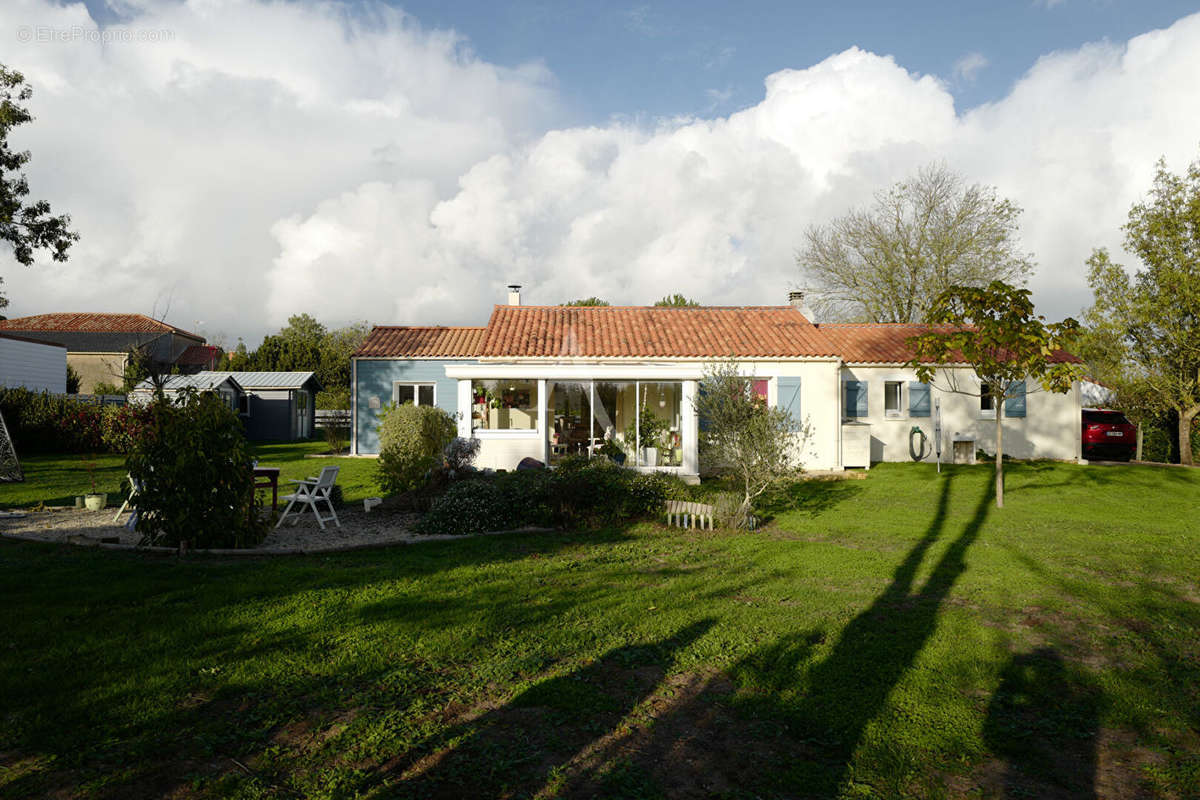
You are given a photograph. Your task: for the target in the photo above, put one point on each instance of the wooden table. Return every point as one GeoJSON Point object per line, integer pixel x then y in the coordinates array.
{"type": "Point", "coordinates": [268, 477]}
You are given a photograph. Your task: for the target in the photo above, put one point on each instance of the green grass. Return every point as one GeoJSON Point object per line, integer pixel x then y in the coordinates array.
{"type": "Point", "coordinates": [892, 637]}
{"type": "Point", "coordinates": [56, 479]}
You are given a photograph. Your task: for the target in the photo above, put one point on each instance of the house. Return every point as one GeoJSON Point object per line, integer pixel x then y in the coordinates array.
{"type": "Point", "coordinates": [32, 364]}
{"type": "Point", "coordinates": [198, 358]}
{"type": "Point", "coordinates": [273, 405]}
{"type": "Point", "coordinates": [99, 345]}
{"type": "Point", "coordinates": [550, 381]}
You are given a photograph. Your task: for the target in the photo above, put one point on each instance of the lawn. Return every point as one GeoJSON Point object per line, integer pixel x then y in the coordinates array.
{"type": "Point", "coordinates": [891, 637]}
{"type": "Point", "coordinates": [56, 479]}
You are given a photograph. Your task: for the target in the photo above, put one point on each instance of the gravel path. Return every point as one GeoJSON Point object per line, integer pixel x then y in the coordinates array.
{"type": "Point", "coordinates": [359, 529]}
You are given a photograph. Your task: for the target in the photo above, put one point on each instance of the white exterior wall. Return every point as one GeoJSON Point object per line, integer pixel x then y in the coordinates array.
{"type": "Point", "coordinates": [32, 365]}
{"type": "Point", "coordinates": [1049, 429]}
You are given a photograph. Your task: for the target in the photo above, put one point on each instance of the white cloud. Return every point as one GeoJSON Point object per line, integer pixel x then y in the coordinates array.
{"type": "Point", "coordinates": [969, 66]}
{"type": "Point", "coordinates": [379, 171]}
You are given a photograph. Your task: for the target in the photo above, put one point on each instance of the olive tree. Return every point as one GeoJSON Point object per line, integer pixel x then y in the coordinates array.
{"type": "Point", "coordinates": [740, 433]}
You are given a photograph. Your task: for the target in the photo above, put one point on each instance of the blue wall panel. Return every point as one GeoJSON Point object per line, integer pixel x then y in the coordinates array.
{"type": "Point", "coordinates": [375, 379]}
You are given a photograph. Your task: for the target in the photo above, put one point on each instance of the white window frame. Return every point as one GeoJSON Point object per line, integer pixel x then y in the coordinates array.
{"type": "Point", "coordinates": [416, 391]}
{"type": "Point", "coordinates": [986, 413]}
{"type": "Point", "coordinates": [898, 413]}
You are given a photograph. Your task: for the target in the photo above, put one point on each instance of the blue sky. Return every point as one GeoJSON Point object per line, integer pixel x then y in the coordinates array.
{"type": "Point", "coordinates": [701, 57]}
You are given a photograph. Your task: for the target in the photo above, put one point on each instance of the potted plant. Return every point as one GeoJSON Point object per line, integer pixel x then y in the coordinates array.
{"type": "Point", "coordinates": [649, 434]}
{"type": "Point", "coordinates": [613, 451]}
{"type": "Point", "coordinates": [94, 501]}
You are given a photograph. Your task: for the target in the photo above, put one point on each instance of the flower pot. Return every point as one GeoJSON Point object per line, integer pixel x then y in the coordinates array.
{"type": "Point", "coordinates": [96, 502]}
{"type": "Point", "coordinates": [650, 457]}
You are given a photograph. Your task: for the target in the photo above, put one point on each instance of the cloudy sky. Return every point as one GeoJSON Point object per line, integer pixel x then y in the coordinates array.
{"type": "Point", "coordinates": [232, 162]}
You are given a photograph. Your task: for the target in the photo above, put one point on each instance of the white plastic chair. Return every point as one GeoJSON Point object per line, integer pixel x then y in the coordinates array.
{"type": "Point", "coordinates": [135, 487]}
{"type": "Point", "coordinates": [309, 493]}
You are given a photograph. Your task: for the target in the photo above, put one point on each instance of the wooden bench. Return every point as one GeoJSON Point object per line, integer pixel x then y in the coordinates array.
{"type": "Point", "coordinates": [682, 514]}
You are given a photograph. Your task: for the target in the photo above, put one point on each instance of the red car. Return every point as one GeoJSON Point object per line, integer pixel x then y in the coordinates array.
{"type": "Point", "coordinates": [1107, 435]}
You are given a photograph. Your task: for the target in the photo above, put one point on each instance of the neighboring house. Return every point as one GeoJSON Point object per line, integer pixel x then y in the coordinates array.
{"type": "Point", "coordinates": [273, 405]}
{"type": "Point", "coordinates": [198, 358]}
{"type": "Point", "coordinates": [32, 364]}
{"type": "Point", "coordinates": [98, 345]}
{"type": "Point", "coordinates": [549, 381]}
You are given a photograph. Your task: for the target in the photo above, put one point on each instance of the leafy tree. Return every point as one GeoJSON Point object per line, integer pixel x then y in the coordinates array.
{"type": "Point", "coordinates": [26, 226]}
{"type": "Point", "coordinates": [927, 233]}
{"type": "Point", "coordinates": [676, 301]}
{"type": "Point", "coordinates": [192, 463]}
{"type": "Point", "coordinates": [333, 370]}
{"type": "Point", "coordinates": [306, 345]}
{"type": "Point", "coordinates": [72, 380]}
{"type": "Point", "coordinates": [996, 333]}
{"type": "Point", "coordinates": [238, 359]}
{"type": "Point", "coordinates": [1152, 321]}
{"type": "Point", "coordinates": [741, 433]}
{"type": "Point", "coordinates": [588, 301]}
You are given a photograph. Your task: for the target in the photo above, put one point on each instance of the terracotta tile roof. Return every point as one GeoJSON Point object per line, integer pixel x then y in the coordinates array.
{"type": "Point", "coordinates": [406, 341]}
{"type": "Point", "coordinates": [93, 323]}
{"type": "Point", "coordinates": [652, 332]}
{"type": "Point", "coordinates": [883, 343]}
{"type": "Point", "coordinates": [203, 355]}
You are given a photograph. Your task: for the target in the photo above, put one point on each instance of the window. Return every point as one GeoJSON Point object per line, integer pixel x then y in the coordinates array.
{"type": "Point", "coordinates": [987, 403]}
{"type": "Point", "coordinates": [419, 394]}
{"type": "Point", "coordinates": [244, 404]}
{"type": "Point", "coordinates": [504, 405]}
{"type": "Point", "coordinates": [891, 398]}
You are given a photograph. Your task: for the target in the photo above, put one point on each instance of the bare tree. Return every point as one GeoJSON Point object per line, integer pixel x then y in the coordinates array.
{"type": "Point", "coordinates": [888, 262]}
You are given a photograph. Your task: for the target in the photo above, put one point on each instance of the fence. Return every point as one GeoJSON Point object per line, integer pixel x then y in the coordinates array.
{"type": "Point", "coordinates": [98, 399]}
{"type": "Point", "coordinates": [332, 417]}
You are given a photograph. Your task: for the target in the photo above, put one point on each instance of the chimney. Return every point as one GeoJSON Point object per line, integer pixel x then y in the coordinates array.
{"type": "Point", "coordinates": [797, 300]}
{"type": "Point", "coordinates": [514, 294]}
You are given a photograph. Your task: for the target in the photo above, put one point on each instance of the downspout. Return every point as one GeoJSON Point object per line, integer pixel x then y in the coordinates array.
{"type": "Point", "coordinates": [837, 411]}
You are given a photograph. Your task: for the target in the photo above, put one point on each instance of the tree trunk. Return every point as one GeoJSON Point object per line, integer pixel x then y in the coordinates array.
{"type": "Point", "coordinates": [998, 402]}
{"type": "Point", "coordinates": [1185, 436]}
{"type": "Point", "coordinates": [1138, 456]}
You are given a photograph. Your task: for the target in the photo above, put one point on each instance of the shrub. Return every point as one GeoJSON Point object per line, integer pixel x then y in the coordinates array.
{"type": "Point", "coordinates": [108, 388]}
{"type": "Point", "coordinates": [193, 464]}
{"type": "Point", "coordinates": [43, 422]}
{"type": "Point", "coordinates": [411, 442]}
{"type": "Point", "coordinates": [460, 455]}
{"type": "Point", "coordinates": [121, 427]}
{"type": "Point", "coordinates": [579, 492]}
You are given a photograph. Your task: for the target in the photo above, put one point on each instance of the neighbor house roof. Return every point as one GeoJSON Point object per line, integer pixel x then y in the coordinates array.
{"type": "Point", "coordinates": [652, 332]}
{"type": "Point", "coordinates": [243, 380]}
{"type": "Point", "coordinates": [885, 343]}
{"type": "Point", "coordinates": [201, 382]}
{"type": "Point", "coordinates": [93, 323]}
{"type": "Point", "coordinates": [407, 341]}
{"type": "Point", "coordinates": [199, 355]}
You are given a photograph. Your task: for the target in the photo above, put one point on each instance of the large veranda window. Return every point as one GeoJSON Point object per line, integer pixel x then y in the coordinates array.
{"type": "Point", "coordinates": [640, 420]}
{"type": "Point", "coordinates": [504, 405]}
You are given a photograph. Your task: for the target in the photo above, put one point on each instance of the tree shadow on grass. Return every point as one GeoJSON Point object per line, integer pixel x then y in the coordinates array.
{"type": "Point", "coordinates": [1042, 722]}
{"type": "Point", "coordinates": [808, 497]}
{"type": "Point", "coordinates": [537, 740]}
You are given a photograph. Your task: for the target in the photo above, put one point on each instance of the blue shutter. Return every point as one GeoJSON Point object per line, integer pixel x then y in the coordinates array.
{"type": "Point", "coordinates": [1015, 406]}
{"type": "Point", "coordinates": [789, 397]}
{"type": "Point", "coordinates": [918, 399]}
{"type": "Point", "coordinates": [855, 393]}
